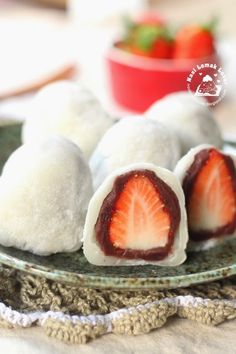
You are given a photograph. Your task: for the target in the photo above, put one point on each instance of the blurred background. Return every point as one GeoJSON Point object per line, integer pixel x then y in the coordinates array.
{"type": "Point", "coordinates": [46, 40]}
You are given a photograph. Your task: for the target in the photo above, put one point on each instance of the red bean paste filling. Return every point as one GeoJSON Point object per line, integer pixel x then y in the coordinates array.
{"type": "Point", "coordinates": [199, 161]}
{"type": "Point", "coordinates": [102, 227]}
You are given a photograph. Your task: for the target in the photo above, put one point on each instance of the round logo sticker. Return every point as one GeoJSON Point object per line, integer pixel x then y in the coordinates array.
{"type": "Point", "coordinates": [207, 80]}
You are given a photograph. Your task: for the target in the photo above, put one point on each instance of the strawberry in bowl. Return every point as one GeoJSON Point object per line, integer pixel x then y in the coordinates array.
{"type": "Point", "coordinates": [195, 41]}
{"type": "Point", "coordinates": [150, 61]}
{"type": "Point", "coordinates": [148, 37]}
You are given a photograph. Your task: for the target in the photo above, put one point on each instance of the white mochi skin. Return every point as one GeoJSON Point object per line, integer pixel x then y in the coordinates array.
{"type": "Point", "coordinates": [193, 123]}
{"type": "Point", "coordinates": [131, 140]}
{"type": "Point", "coordinates": [45, 189]}
{"type": "Point", "coordinates": [68, 109]}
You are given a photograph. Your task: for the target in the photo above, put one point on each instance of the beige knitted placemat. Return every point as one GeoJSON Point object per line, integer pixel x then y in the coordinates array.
{"type": "Point", "coordinates": [77, 315]}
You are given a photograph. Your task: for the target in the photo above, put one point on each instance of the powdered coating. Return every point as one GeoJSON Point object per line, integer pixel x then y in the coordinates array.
{"type": "Point", "coordinates": [133, 139]}
{"type": "Point", "coordinates": [67, 109]}
{"type": "Point", "coordinates": [192, 122]}
{"type": "Point", "coordinates": [44, 193]}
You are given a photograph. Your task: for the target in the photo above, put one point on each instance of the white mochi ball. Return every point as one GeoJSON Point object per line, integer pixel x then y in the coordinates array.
{"type": "Point", "coordinates": [67, 109]}
{"type": "Point", "coordinates": [191, 121]}
{"type": "Point", "coordinates": [133, 139]}
{"type": "Point", "coordinates": [44, 193]}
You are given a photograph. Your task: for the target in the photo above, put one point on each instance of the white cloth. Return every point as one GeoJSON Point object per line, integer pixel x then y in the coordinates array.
{"type": "Point", "coordinates": [178, 336]}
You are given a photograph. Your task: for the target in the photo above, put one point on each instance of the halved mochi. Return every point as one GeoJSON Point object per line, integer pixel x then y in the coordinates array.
{"type": "Point", "coordinates": [44, 194]}
{"type": "Point", "coordinates": [208, 177]}
{"type": "Point", "coordinates": [137, 216]}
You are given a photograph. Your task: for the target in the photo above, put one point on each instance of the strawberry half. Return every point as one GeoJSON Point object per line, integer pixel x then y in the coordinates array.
{"type": "Point", "coordinates": [210, 190]}
{"type": "Point", "coordinates": [139, 218]}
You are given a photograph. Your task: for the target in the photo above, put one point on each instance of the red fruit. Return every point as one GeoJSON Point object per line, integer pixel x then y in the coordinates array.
{"type": "Point", "coordinates": [194, 42]}
{"type": "Point", "coordinates": [210, 188]}
{"type": "Point", "coordinates": [159, 47]}
{"type": "Point", "coordinates": [139, 217]}
{"type": "Point", "coordinates": [162, 49]}
{"type": "Point", "coordinates": [149, 40]}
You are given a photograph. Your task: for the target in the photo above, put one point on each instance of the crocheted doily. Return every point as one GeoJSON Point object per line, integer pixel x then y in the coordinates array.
{"type": "Point", "coordinates": [76, 315]}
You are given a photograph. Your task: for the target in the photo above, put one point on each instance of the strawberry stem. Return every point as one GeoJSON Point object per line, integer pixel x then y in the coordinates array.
{"type": "Point", "coordinates": [211, 25]}
{"type": "Point", "coordinates": [147, 35]}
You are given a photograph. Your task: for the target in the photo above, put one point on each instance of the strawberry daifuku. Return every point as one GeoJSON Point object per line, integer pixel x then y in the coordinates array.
{"type": "Point", "coordinates": [45, 189]}
{"type": "Point", "coordinates": [70, 110]}
{"type": "Point", "coordinates": [133, 139]}
{"type": "Point", "coordinates": [191, 122]}
{"type": "Point", "coordinates": [208, 177]}
{"type": "Point", "coordinates": [137, 216]}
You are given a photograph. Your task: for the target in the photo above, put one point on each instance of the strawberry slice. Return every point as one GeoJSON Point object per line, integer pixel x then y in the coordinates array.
{"type": "Point", "coordinates": [210, 189]}
{"type": "Point", "coordinates": [139, 217]}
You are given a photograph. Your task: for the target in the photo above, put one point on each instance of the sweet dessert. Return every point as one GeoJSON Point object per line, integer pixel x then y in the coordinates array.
{"type": "Point", "coordinates": [133, 139]}
{"type": "Point", "coordinates": [208, 177]}
{"type": "Point", "coordinates": [67, 109]}
{"type": "Point", "coordinates": [192, 122]}
{"type": "Point", "coordinates": [45, 189]}
{"type": "Point", "coordinates": [137, 216]}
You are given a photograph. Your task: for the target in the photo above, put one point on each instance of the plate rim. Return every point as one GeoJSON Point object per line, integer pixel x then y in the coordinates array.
{"type": "Point", "coordinates": [119, 283]}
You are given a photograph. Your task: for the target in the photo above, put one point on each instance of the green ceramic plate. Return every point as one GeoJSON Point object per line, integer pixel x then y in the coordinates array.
{"type": "Point", "coordinates": [217, 263]}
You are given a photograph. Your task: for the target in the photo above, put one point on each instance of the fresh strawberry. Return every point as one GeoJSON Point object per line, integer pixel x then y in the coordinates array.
{"type": "Point", "coordinates": [211, 195]}
{"type": "Point", "coordinates": [147, 37]}
{"type": "Point", "coordinates": [162, 49]}
{"type": "Point", "coordinates": [194, 41]}
{"type": "Point", "coordinates": [152, 41]}
{"type": "Point", "coordinates": [139, 218]}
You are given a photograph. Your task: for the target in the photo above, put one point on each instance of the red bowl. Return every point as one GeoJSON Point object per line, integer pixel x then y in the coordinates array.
{"type": "Point", "coordinates": [137, 82]}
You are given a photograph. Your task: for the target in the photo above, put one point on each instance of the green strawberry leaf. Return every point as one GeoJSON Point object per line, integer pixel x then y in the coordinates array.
{"type": "Point", "coordinates": [146, 36]}
{"type": "Point", "coordinates": [211, 25]}
{"type": "Point", "coordinates": [128, 24]}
